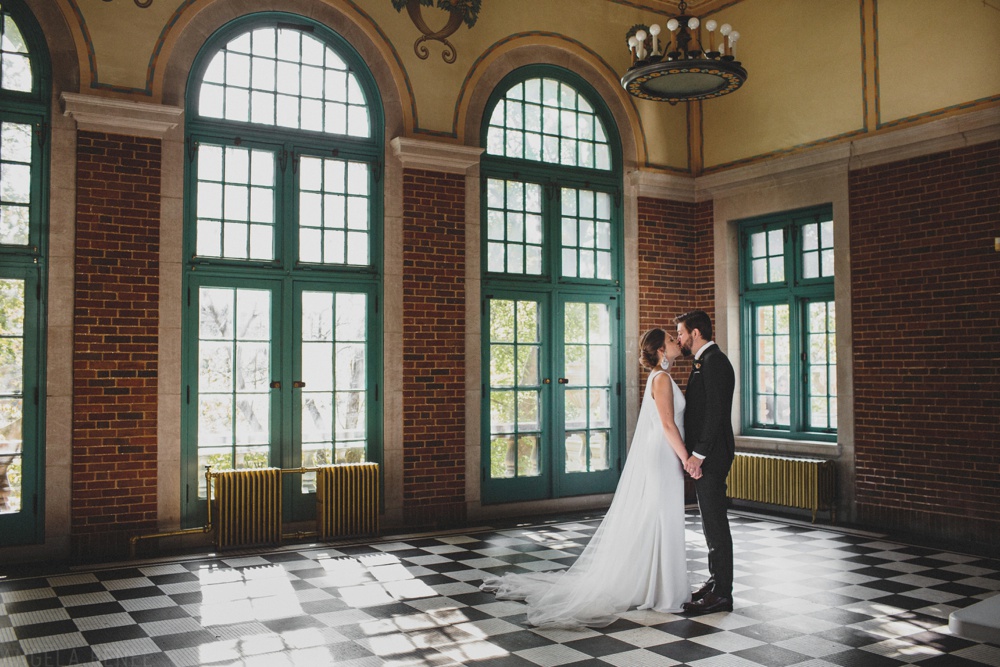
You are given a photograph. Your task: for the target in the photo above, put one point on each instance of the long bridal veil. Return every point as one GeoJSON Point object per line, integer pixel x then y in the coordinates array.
{"type": "Point", "coordinates": [636, 558]}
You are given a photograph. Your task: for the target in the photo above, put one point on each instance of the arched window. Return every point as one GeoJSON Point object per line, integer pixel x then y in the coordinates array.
{"type": "Point", "coordinates": [283, 235]}
{"type": "Point", "coordinates": [552, 301]}
{"type": "Point", "coordinates": [25, 90]}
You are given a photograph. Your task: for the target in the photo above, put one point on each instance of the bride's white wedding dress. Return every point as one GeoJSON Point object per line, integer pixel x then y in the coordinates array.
{"type": "Point", "coordinates": [636, 558]}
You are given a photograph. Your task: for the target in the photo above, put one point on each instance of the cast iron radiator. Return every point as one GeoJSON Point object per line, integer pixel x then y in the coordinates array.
{"type": "Point", "coordinates": [347, 500]}
{"type": "Point", "coordinates": [248, 507]}
{"type": "Point", "coordinates": [801, 483]}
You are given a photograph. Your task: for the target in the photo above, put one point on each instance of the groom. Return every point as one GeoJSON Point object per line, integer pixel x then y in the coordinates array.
{"type": "Point", "coordinates": [709, 438]}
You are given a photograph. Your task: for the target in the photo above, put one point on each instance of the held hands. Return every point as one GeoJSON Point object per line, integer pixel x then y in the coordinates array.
{"type": "Point", "coordinates": [693, 467]}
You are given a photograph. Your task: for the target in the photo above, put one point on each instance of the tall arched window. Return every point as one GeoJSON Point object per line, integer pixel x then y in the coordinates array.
{"type": "Point", "coordinates": [25, 91]}
{"type": "Point", "coordinates": [282, 331]}
{"type": "Point", "coordinates": [552, 300]}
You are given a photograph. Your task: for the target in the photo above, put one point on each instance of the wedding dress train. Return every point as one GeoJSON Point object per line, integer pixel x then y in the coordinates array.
{"type": "Point", "coordinates": [636, 558]}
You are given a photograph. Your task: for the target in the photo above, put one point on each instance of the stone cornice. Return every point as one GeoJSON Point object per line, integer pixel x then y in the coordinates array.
{"type": "Point", "coordinates": [658, 185]}
{"type": "Point", "coordinates": [105, 114]}
{"type": "Point", "coordinates": [435, 155]}
{"type": "Point", "coordinates": [936, 136]}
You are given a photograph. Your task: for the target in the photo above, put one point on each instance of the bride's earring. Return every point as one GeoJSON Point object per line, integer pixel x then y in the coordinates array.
{"type": "Point", "coordinates": [665, 363]}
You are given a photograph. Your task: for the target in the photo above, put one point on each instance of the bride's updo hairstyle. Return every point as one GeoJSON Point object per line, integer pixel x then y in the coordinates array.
{"type": "Point", "coordinates": [649, 348]}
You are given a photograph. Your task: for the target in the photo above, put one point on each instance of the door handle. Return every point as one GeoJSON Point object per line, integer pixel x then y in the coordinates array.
{"type": "Point", "coordinates": [563, 380]}
{"type": "Point", "coordinates": [298, 384]}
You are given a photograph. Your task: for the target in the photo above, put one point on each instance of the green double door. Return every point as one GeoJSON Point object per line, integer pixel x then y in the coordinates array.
{"type": "Point", "coordinates": [282, 373]}
{"type": "Point", "coordinates": [551, 395]}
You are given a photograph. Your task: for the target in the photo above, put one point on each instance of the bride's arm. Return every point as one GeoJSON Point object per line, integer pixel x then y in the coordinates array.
{"type": "Point", "coordinates": [663, 395]}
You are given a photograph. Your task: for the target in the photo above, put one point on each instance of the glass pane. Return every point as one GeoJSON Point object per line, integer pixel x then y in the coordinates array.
{"type": "Point", "coordinates": [817, 249]}
{"type": "Point", "coordinates": [334, 369]}
{"type": "Point", "coordinates": [528, 411]}
{"type": "Point", "coordinates": [503, 460]}
{"type": "Point", "coordinates": [527, 366]}
{"type": "Point", "coordinates": [12, 308]}
{"type": "Point", "coordinates": [514, 227]}
{"type": "Point", "coordinates": [502, 365]}
{"type": "Point", "coordinates": [575, 323]}
{"type": "Point", "coordinates": [587, 355]}
{"type": "Point", "coordinates": [599, 451]}
{"type": "Point", "coordinates": [822, 360]}
{"type": "Point", "coordinates": [502, 412]}
{"type": "Point", "coordinates": [502, 320]}
{"type": "Point", "coordinates": [586, 225]}
{"type": "Point", "coordinates": [772, 344]}
{"type": "Point", "coordinates": [235, 221]}
{"type": "Point", "coordinates": [234, 333]}
{"type": "Point", "coordinates": [317, 90]}
{"type": "Point", "coordinates": [328, 212]}
{"type": "Point", "coordinates": [576, 451]}
{"type": "Point", "coordinates": [515, 386]}
{"type": "Point", "coordinates": [527, 456]}
{"type": "Point", "coordinates": [558, 120]}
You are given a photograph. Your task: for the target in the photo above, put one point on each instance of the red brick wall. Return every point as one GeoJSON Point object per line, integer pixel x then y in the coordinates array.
{"type": "Point", "coordinates": [116, 316]}
{"type": "Point", "coordinates": [434, 369]}
{"type": "Point", "coordinates": [926, 318]}
{"type": "Point", "coordinates": [676, 272]}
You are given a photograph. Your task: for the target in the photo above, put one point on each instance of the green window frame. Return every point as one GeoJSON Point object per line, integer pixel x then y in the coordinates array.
{"type": "Point", "coordinates": [789, 325]}
{"type": "Point", "coordinates": [283, 213]}
{"type": "Point", "coordinates": [25, 93]}
{"type": "Point", "coordinates": [552, 241]}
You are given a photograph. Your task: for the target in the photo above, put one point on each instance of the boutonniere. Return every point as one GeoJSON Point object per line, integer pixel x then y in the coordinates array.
{"type": "Point", "coordinates": [697, 364]}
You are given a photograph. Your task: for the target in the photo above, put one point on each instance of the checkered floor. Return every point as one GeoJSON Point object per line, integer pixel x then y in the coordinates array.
{"type": "Point", "coordinates": [806, 596]}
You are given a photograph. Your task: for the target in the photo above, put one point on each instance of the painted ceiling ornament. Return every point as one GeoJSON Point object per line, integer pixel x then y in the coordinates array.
{"type": "Point", "coordinates": [458, 10]}
{"type": "Point", "coordinates": [139, 3]}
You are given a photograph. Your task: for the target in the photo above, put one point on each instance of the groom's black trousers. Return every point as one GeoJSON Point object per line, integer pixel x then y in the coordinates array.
{"type": "Point", "coordinates": [713, 504]}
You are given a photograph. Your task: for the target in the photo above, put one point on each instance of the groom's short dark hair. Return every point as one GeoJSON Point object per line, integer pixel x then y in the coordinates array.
{"type": "Point", "coordinates": [697, 319]}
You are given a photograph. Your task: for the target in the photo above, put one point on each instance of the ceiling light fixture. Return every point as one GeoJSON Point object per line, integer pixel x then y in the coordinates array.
{"type": "Point", "coordinates": [682, 67]}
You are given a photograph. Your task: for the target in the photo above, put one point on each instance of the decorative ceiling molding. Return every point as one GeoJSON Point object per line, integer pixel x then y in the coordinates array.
{"type": "Point", "coordinates": [672, 7]}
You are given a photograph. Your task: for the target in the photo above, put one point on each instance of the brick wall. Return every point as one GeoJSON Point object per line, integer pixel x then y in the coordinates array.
{"type": "Point", "coordinates": [434, 369]}
{"type": "Point", "coordinates": [676, 273]}
{"type": "Point", "coordinates": [115, 320]}
{"type": "Point", "coordinates": [926, 318]}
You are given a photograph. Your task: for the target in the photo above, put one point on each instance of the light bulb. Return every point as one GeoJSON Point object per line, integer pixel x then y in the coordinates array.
{"type": "Point", "coordinates": [640, 44]}
{"type": "Point", "coordinates": [672, 25]}
{"type": "Point", "coordinates": [725, 29]}
{"type": "Point", "coordinates": [733, 36]}
{"type": "Point", "coordinates": [710, 24]}
{"type": "Point", "coordinates": [654, 30]}
{"type": "Point", "coordinates": [693, 23]}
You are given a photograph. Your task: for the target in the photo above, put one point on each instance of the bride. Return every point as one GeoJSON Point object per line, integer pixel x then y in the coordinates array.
{"type": "Point", "coordinates": [636, 557]}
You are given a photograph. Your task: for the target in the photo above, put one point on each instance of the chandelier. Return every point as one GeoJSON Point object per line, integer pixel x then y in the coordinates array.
{"type": "Point", "coordinates": [682, 66]}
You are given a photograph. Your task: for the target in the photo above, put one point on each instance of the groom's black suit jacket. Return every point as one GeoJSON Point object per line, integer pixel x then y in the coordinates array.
{"type": "Point", "coordinates": [708, 427]}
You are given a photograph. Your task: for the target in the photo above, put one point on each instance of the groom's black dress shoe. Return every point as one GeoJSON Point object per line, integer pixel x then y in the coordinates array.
{"type": "Point", "coordinates": [709, 604]}
{"type": "Point", "coordinates": [701, 592]}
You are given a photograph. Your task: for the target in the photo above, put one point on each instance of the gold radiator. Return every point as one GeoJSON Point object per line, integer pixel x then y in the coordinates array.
{"type": "Point", "coordinates": [801, 483]}
{"type": "Point", "coordinates": [347, 500]}
{"type": "Point", "coordinates": [247, 507]}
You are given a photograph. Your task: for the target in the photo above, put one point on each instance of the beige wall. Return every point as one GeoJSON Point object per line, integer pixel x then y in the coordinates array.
{"type": "Point", "coordinates": [820, 71]}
